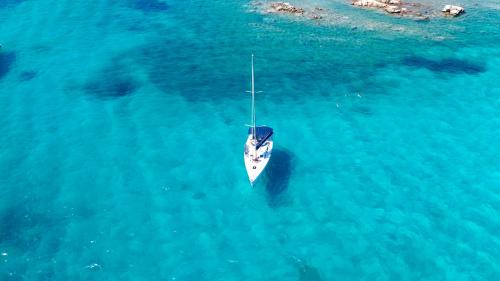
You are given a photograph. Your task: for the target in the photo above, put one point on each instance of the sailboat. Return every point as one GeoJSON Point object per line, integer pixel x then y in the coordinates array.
{"type": "Point", "coordinates": [259, 144]}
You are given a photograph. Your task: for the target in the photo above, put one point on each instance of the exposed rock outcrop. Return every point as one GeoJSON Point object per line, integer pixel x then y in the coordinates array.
{"type": "Point", "coordinates": [392, 9]}
{"type": "Point", "coordinates": [377, 3]}
{"type": "Point", "coordinates": [391, 2]}
{"type": "Point", "coordinates": [399, 8]}
{"type": "Point", "coordinates": [417, 11]}
{"type": "Point", "coordinates": [369, 3]}
{"type": "Point", "coordinates": [453, 10]}
{"type": "Point", "coordinates": [285, 7]}
{"type": "Point", "coordinates": [390, 6]}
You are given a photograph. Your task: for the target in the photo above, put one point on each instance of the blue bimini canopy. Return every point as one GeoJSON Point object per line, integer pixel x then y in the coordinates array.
{"type": "Point", "coordinates": [262, 134]}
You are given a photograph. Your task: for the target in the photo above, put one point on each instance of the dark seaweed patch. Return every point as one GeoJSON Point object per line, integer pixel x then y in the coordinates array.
{"type": "Point", "coordinates": [115, 88]}
{"type": "Point", "coordinates": [16, 225]}
{"type": "Point", "coordinates": [113, 82]}
{"type": "Point", "coordinates": [448, 65]}
{"type": "Point", "coordinates": [278, 173]}
{"type": "Point", "coordinates": [199, 195]}
{"type": "Point", "coordinates": [149, 5]}
{"type": "Point", "coordinates": [27, 75]}
{"type": "Point", "coordinates": [196, 77]}
{"type": "Point", "coordinates": [308, 273]}
{"type": "Point", "coordinates": [6, 3]}
{"type": "Point", "coordinates": [6, 61]}
{"type": "Point", "coordinates": [362, 109]}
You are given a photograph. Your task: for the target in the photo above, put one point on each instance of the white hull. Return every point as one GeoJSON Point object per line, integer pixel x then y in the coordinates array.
{"type": "Point", "coordinates": [259, 144]}
{"type": "Point", "coordinates": [256, 165]}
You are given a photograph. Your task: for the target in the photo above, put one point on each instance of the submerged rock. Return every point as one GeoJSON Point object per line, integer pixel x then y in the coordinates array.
{"type": "Point", "coordinates": [453, 10]}
{"type": "Point", "coordinates": [309, 273]}
{"type": "Point", "coordinates": [27, 75]}
{"type": "Point", "coordinates": [315, 17]}
{"type": "Point", "coordinates": [421, 18]}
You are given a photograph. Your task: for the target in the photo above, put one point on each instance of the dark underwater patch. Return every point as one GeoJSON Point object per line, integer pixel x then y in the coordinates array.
{"type": "Point", "coordinates": [149, 5]}
{"type": "Point", "coordinates": [191, 69]}
{"type": "Point", "coordinates": [113, 82]}
{"type": "Point", "coordinates": [448, 65]}
{"type": "Point", "coordinates": [118, 87]}
{"type": "Point", "coordinates": [6, 61]}
{"type": "Point", "coordinates": [17, 227]}
{"type": "Point", "coordinates": [278, 174]}
{"type": "Point", "coordinates": [6, 3]}
{"type": "Point", "coordinates": [308, 273]}
{"type": "Point", "coordinates": [199, 195]}
{"type": "Point", "coordinates": [362, 109]}
{"type": "Point", "coordinates": [27, 75]}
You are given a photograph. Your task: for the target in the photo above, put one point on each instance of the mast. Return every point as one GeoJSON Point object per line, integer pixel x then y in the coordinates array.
{"type": "Point", "coordinates": [253, 105]}
{"type": "Point", "coordinates": [254, 126]}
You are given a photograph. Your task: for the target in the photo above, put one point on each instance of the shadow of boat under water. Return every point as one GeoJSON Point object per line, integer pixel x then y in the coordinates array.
{"type": "Point", "coordinates": [278, 175]}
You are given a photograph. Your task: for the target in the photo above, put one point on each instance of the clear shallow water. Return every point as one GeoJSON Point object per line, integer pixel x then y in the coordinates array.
{"type": "Point", "coordinates": [114, 112]}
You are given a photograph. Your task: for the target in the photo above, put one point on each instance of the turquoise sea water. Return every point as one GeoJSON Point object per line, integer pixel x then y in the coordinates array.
{"type": "Point", "coordinates": [122, 132]}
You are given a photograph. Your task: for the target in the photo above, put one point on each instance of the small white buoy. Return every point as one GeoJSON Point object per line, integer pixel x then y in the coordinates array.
{"type": "Point", "coordinates": [4, 254]}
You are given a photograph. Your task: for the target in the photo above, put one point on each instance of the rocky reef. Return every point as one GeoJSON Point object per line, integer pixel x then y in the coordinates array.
{"type": "Point", "coordinates": [394, 7]}
{"type": "Point", "coordinates": [287, 8]}
{"type": "Point", "coordinates": [377, 3]}
{"type": "Point", "coordinates": [416, 11]}
{"type": "Point", "coordinates": [452, 10]}
{"type": "Point", "coordinates": [322, 15]}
